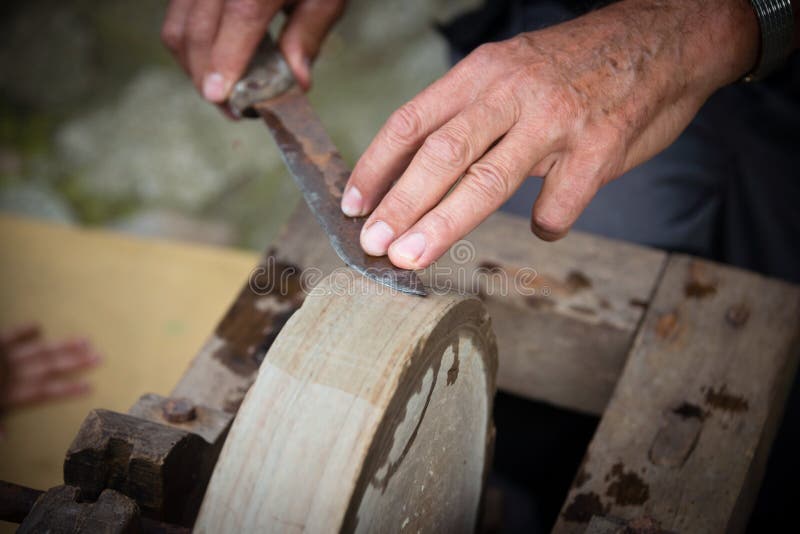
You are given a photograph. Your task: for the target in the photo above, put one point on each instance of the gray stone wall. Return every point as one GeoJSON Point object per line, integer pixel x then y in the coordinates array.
{"type": "Point", "coordinates": [98, 126]}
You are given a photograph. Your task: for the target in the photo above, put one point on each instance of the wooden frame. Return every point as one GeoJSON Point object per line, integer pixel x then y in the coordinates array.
{"type": "Point", "coordinates": [565, 340]}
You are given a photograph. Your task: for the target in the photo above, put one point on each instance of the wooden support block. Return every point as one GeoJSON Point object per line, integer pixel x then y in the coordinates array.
{"type": "Point", "coordinates": [164, 469]}
{"type": "Point", "coordinates": [61, 511]}
{"type": "Point", "coordinates": [371, 413]}
{"type": "Point", "coordinates": [686, 435]}
{"type": "Point", "coordinates": [16, 501]}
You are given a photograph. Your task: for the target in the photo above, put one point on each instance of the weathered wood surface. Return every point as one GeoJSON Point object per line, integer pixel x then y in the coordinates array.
{"type": "Point", "coordinates": [371, 412]}
{"type": "Point", "coordinates": [564, 335]}
{"type": "Point", "coordinates": [163, 469]}
{"type": "Point", "coordinates": [61, 511]}
{"type": "Point", "coordinates": [16, 501]}
{"type": "Point", "coordinates": [64, 510]}
{"type": "Point", "coordinates": [208, 423]}
{"type": "Point", "coordinates": [225, 367]}
{"type": "Point", "coordinates": [565, 313]}
{"type": "Point", "coordinates": [686, 435]}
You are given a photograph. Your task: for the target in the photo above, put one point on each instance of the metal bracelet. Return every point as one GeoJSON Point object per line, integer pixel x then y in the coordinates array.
{"type": "Point", "coordinates": [776, 22]}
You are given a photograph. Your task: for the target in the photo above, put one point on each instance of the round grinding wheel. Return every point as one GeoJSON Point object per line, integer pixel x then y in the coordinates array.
{"type": "Point", "coordinates": [371, 413]}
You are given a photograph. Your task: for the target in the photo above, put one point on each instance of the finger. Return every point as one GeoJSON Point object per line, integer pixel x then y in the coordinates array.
{"type": "Point", "coordinates": [57, 363]}
{"type": "Point", "coordinates": [302, 36]}
{"type": "Point", "coordinates": [442, 159]}
{"type": "Point", "coordinates": [174, 27]}
{"type": "Point", "coordinates": [38, 349]}
{"type": "Point", "coordinates": [23, 394]}
{"type": "Point", "coordinates": [567, 190]}
{"type": "Point", "coordinates": [39, 359]}
{"type": "Point", "coordinates": [487, 184]}
{"type": "Point", "coordinates": [201, 31]}
{"type": "Point", "coordinates": [398, 140]}
{"type": "Point", "coordinates": [19, 334]}
{"type": "Point", "coordinates": [244, 24]}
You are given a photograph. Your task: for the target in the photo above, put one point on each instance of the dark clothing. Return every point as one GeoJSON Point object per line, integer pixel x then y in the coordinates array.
{"type": "Point", "coordinates": [728, 189]}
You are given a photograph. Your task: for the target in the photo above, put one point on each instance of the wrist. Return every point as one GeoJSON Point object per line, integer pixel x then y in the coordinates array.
{"type": "Point", "coordinates": [738, 44]}
{"type": "Point", "coordinates": [714, 42]}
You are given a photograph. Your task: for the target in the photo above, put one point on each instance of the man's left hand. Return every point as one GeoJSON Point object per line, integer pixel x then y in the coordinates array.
{"type": "Point", "coordinates": [579, 104]}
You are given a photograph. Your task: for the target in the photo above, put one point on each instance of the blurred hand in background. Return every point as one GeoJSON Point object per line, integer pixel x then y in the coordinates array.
{"type": "Point", "coordinates": [214, 39]}
{"type": "Point", "coordinates": [34, 370]}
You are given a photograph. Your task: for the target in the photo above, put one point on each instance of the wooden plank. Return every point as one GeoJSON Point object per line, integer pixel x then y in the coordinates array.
{"type": "Point", "coordinates": [371, 413]}
{"type": "Point", "coordinates": [62, 510]}
{"type": "Point", "coordinates": [686, 435]}
{"type": "Point", "coordinates": [565, 313]}
{"type": "Point", "coordinates": [164, 469]}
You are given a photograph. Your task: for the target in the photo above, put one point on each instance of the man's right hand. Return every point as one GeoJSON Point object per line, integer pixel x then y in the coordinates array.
{"type": "Point", "coordinates": [214, 39]}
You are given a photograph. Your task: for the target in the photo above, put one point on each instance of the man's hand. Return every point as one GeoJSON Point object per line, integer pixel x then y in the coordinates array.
{"type": "Point", "coordinates": [33, 370]}
{"type": "Point", "coordinates": [579, 103]}
{"type": "Point", "coordinates": [214, 39]}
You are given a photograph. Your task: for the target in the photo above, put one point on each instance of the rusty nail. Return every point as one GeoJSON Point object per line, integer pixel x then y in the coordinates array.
{"type": "Point", "coordinates": [667, 325]}
{"type": "Point", "coordinates": [738, 314]}
{"type": "Point", "coordinates": [179, 410]}
{"type": "Point", "coordinates": [702, 281]}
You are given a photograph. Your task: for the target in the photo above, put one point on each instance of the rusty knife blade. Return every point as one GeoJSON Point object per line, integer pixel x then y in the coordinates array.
{"type": "Point", "coordinates": [321, 174]}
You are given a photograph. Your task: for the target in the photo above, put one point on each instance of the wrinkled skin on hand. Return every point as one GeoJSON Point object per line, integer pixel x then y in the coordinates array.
{"type": "Point", "coordinates": [33, 370]}
{"type": "Point", "coordinates": [579, 104]}
{"type": "Point", "coordinates": [214, 39]}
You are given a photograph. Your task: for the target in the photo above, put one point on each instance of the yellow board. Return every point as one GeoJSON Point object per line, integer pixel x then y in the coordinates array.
{"type": "Point", "coordinates": [147, 306]}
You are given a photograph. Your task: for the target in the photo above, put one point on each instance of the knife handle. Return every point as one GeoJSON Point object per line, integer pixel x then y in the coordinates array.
{"type": "Point", "coordinates": [268, 75]}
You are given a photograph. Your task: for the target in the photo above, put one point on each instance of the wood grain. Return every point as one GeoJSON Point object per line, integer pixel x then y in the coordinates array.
{"type": "Point", "coordinates": [686, 435]}
{"type": "Point", "coordinates": [163, 469]}
{"type": "Point", "coordinates": [565, 313]}
{"type": "Point", "coordinates": [371, 413]}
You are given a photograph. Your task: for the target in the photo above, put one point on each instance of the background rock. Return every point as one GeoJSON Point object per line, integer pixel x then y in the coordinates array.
{"type": "Point", "coordinates": [95, 118]}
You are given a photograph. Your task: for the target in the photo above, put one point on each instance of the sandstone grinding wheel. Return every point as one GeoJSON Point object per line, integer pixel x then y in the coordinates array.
{"type": "Point", "coordinates": [371, 413]}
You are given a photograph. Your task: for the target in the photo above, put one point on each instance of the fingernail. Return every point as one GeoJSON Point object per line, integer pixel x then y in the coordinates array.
{"type": "Point", "coordinates": [352, 202]}
{"type": "Point", "coordinates": [214, 87]}
{"type": "Point", "coordinates": [376, 238]}
{"type": "Point", "coordinates": [410, 247]}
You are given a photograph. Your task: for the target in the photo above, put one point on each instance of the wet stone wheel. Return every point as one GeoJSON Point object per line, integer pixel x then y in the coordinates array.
{"type": "Point", "coordinates": [371, 413]}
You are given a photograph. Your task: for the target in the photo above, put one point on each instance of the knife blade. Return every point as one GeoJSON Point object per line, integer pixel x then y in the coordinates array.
{"type": "Point", "coordinates": [269, 91]}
